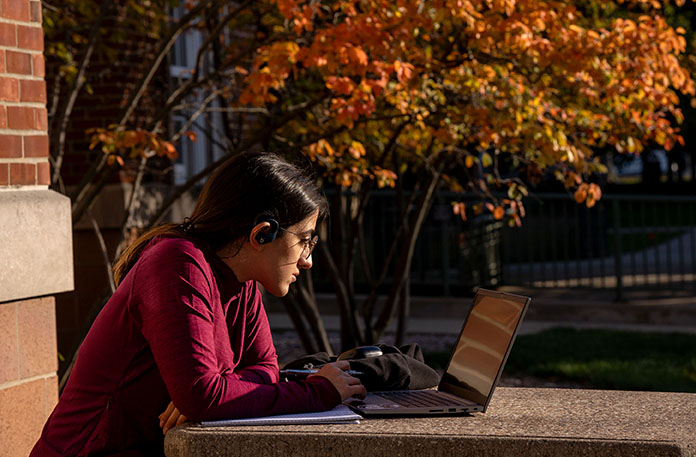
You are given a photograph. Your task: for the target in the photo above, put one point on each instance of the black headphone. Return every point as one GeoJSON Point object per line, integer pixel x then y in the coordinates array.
{"type": "Point", "coordinates": [269, 235]}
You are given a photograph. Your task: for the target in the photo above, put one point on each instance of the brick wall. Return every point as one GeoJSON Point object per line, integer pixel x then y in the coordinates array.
{"type": "Point", "coordinates": [122, 56]}
{"type": "Point", "coordinates": [28, 363]}
{"type": "Point", "coordinates": [35, 243]}
{"type": "Point", "coordinates": [23, 117]}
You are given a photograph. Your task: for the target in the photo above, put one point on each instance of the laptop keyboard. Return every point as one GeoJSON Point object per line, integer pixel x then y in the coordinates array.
{"type": "Point", "coordinates": [420, 398]}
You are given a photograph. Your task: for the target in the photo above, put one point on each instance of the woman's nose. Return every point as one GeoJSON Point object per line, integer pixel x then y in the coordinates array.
{"type": "Point", "coordinates": [305, 262]}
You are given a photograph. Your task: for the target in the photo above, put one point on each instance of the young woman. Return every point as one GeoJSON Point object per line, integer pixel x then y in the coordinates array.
{"type": "Point", "coordinates": [186, 331]}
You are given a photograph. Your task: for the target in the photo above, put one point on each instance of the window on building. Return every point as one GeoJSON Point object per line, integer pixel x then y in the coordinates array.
{"type": "Point", "coordinates": [207, 126]}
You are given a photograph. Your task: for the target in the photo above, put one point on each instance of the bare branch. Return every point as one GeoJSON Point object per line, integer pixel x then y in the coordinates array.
{"type": "Point", "coordinates": [404, 264]}
{"type": "Point", "coordinates": [350, 327]}
{"type": "Point", "coordinates": [214, 33]}
{"type": "Point", "coordinates": [184, 90]}
{"type": "Point", "coordinates": [217, 109]}
{"type": "Point", "coordinates": [363, 259]}
{"type": "Point", "coordinates": [292, 307]}
{"type": "Point", "coordinates": [87, 190]}
{"type": "Point", "coordinates": [54, 98]}
{"type": "Point", "coordinates": [307, 303]}
{"type": "Point", "coordinates": [261, 134]}
{"type": "Point", "coordinates": [65, 110]}
{"type": "Point", "coordinates": [181, 190]}
{"type": "Point", "coordinates": [201, 109]}
{"type": "Point", "coordinates": [212, 134]}
{"type": "Point", "coordinates": [356, 223]}
{"type": "Point", "coordinates": [182, 25]}
{"type": "Point", "coordinates": [105, 252]}
{"type": "Point", "coordinates": [130, 208]}
{"type": "Point", "coordinates": [47, 6]}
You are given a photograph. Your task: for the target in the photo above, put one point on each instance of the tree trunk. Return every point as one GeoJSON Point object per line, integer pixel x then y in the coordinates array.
{"type": "Point", "coordinates": [293, 310]}
{"type": "Point", "coordinates": [403, 265]}
{"type": "Point", "coordinates": [404, 313]}
{"type": "Point", "coordinates": [350, 330]}
{"type": "Point", "coordinates": [308, 307]}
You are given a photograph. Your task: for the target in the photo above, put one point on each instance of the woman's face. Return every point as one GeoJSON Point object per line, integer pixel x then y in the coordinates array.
{"type": "Point", "coordinates": [280, 261]}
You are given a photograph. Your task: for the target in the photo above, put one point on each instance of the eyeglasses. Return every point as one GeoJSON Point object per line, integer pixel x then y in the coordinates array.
{"type": "Point", "coordinates": [308, 243]}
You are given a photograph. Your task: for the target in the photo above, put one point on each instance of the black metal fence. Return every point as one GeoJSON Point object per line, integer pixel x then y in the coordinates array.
{"type": "Point", "coordinates": [622, 242]}
{"type": "Point", "coordinates": [451, 257]}
{"type": "Point", "coordinates": [625, 241]}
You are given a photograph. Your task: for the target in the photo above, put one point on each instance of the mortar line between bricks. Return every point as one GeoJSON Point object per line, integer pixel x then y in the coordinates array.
{"type": "Point", "coordinates": [33, 160]}
{"type": "Point", "coordinates": [19, 382]}
{"type": "Point", "coordinates": [36, 25]}
{"type": "Point", "coordinates": [23, 77]}
{"type": "Point", "coordinates": [21, 104]}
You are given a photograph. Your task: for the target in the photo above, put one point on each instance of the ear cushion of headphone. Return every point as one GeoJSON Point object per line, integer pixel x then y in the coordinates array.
{"type": "Point", "coordinates": [270, 234]}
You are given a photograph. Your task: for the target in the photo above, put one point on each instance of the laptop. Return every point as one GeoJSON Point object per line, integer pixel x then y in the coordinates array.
{"type": "Point", "coordinates": [474, 367]}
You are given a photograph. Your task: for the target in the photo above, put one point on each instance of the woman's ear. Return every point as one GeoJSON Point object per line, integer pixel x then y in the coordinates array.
{"type": "Point", "coordinates": [263, 233]}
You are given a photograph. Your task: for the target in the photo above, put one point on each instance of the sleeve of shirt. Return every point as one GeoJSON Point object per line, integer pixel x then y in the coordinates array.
{"type": "Point", "coordinates": [171, 300]}
{"type": "Point", "coordinates": [259, 360]}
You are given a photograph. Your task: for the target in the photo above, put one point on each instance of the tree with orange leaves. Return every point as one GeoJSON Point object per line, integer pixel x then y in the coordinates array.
{"type": "Point", "coordinates": [451, 91]}
{"type": "Point", "coordinates": [480, 95]}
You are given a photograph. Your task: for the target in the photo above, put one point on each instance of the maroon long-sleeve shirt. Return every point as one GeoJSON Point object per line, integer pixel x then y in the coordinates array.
{"type": "Point", "coordinates": [182, 327]}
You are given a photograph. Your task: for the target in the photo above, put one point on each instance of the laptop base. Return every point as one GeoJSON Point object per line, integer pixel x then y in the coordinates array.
{"type": "Point", "coordinates": [385, 404]}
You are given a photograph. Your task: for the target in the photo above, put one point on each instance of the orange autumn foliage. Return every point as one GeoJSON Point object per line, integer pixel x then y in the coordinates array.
{"type": "Point", "coordinates": [475, 81]}
{"type": "Point", "coordinates": [374, 89]}
{"type": "Point", "coordinates": [119, 143]}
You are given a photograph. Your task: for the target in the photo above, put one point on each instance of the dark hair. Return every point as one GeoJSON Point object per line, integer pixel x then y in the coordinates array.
{"type": "Point", "coordinates": [243, 191]}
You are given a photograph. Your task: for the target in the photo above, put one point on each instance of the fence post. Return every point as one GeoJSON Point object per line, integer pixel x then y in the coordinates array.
{"type": "Point", "coordinates": [618, 263]}
{"type": "Point", "coordinates": [445, 256]}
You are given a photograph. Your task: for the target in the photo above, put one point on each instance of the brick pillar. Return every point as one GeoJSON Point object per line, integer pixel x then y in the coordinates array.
{"type": "Point", "coordinates": [35, 234]}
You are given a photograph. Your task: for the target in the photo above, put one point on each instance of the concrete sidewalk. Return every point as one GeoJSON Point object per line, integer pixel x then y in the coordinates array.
{"type": "Point", "coordinates": [653, 311]}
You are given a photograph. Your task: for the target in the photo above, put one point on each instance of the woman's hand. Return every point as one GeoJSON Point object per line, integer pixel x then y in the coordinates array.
{"type": "Point", "coordinates": [171, 417]}
{"type": "Point", "coordinates": [347, 385]}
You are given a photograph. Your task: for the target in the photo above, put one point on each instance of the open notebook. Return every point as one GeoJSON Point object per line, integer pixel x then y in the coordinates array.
{"type": "Point", "coordinates": [341, 414]}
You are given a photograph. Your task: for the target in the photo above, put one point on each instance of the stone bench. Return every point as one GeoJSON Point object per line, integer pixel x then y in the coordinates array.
{"type": "Point", "coordinates": [519, 421]}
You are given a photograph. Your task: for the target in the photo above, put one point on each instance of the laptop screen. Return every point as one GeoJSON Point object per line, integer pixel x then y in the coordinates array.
{"type": "Point", "coordinates": [483, 346]}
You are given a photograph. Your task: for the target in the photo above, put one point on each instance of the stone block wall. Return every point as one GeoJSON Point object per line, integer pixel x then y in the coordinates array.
{"type": "Point", "coordinates": [35, 234]}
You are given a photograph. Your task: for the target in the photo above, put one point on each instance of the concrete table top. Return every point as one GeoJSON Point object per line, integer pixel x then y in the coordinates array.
{"type": "Point", "coordinates": [519, 421]}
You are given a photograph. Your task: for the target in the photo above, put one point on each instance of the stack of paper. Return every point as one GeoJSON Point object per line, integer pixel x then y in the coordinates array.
{"type": "Point", "coordinates": [341, 414]}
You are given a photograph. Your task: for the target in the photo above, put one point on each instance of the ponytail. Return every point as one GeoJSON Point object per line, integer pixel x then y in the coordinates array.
{"type": "Point", "coordinates": [128, 258]}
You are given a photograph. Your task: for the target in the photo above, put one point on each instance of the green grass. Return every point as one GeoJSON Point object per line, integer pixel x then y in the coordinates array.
{"type": "Point", "coordinates": [604, 359]}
